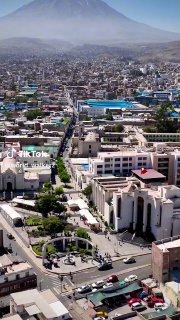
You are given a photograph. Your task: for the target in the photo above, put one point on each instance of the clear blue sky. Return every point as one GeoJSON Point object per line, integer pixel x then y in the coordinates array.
{"type": "Point", "coordinates": [164, 14]}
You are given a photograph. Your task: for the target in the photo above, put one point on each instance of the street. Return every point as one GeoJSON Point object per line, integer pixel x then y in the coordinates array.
{"type": "Point", "coordinates": [52, 281]}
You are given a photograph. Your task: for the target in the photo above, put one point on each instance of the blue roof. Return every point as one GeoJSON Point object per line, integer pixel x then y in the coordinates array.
{"type": "Point", "coordinates": [110, 104]}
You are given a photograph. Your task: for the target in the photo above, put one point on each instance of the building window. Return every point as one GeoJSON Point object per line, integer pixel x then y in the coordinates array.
{"type": "Point", "coordinates": [117, 159]}
{"type": "Point", "coordinates": [17, 277]}
{"type": "Point", "coordinates": [99, 167]}
{"type": "Point", "coordinates": [107, 159]}
{"type": "Point", "coordinates": [27, 274]}
{"type": "Point", "coordinates": [119, 208]}
{"type": "Point", "coordinates": [160, 218]}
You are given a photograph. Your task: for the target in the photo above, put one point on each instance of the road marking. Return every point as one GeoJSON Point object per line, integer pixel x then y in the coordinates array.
{"type": "Point", "coordinates": [67, 279]}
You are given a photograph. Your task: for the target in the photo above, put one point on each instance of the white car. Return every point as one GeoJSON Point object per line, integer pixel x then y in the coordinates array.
{"type": "Point", "coordinates": [108, 285]}
{"type": "Point", "coordinates": [131, 278]}
{"type": "Point", "coordinates": [129, 260]}
{"type": "Point", "coordinates": [97, 285]}
{"type": "Point", "coordinates": [160, 306]}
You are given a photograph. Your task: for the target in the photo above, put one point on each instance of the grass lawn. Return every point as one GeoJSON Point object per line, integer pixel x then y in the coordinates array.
{"type": "Point", "coordinates": [66, 120]}
{"type": "Point", "coordinates": [33, 221]}
{"type": "Point", "coordinates": [37, 248]}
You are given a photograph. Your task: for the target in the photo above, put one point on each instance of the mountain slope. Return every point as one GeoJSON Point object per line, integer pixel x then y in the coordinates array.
{"type": "Point", "coordinates": [33, 46]}
{"type": "Point", "coordinates": [78, 21]}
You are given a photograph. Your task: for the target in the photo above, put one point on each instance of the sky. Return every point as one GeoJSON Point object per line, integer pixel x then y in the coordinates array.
{"type": "Point", "coordinates": [163, 14]}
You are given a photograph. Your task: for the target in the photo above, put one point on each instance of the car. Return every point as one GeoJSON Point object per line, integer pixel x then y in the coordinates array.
{"type": "Point", "coordinates": [143, 295]}
{"type": "Point", "coordinates": [10, 236]}
{"type": "Point", "coordinates": [137, 306]}
{"type": "Point", "coordinates": [160, 306]}
{"type": "Point", "coordinates": [104, 266]}
{"type": "Point", "coordinates": [108, 285]}
{"type": "Point", "coordinates": [129, 260]}
{"type": "Point", "coordinates": [133, 300]}
{"type": "Point", "coordinates": [84, 289]}
{"type": "Point", "coordinates": [112, 279]}
{"type": "Point", "coordinates": [121, 283]}
{"type": "Point", "coordinates": [131, 278]}
{"type": "Point", "coordinates": [151, 300]}
{"type": "Point", "coordinates": [102, 314]}
{"type": "Point", "coordinates": [98, 284]}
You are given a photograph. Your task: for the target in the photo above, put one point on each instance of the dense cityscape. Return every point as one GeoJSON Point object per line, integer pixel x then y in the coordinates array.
{"type": "Point", "coordinates": [89, 176]}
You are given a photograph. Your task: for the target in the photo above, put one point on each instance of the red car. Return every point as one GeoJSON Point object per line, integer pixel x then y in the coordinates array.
{"type": "Point", "coordinates": [112, 279]}
{"type": "Point", "coordinates": [151, 300]}
{"type": "Point", "coordinates": [133, 300]}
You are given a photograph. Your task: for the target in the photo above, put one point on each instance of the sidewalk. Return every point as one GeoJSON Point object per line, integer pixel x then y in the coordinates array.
{"type": "Point", "coordinates": [110, 246]}
{"type": "Point", "coordinates": [30, 254]}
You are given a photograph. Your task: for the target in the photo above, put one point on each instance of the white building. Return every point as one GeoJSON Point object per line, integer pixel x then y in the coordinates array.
{"type": "Point", "coordinates": [126, 205]}
{"type": "Point", "coordinates": [119, 163]}
{"type": "Point", "coordinates": [24, 172]}
{"type": "Point", "coordinates": [40, 305]}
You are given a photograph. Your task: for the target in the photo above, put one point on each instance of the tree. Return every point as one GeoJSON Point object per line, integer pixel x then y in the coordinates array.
{"type": "Point", "coordinates": [164, 123]}
{"type": "Point", "coordinates": [59, 190]}
{"type": "Point", "coordinates": [65, 177]}
{"type": "Point", "coordinates": [82, 233]}
{"type": "Point", "coordinates": [149, 130]}
{"type": "Point", "coordinates": [87, 191]}
{"type": "Point", "coordinates": [109, 116]}
{"type": "Point", "coordinates": [33, 114]}
{"type": "Point", "coordinates": [118, 127]}
{"type": "Point", "coordinates": [47, 186]}
{"type": "Point", "coordinates": [53, 225]}
{"type": "Point", "coordinates": [47, 203]}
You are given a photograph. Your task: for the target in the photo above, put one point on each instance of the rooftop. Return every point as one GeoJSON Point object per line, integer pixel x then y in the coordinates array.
{"type": "Point", "coordinates": [146, 174]}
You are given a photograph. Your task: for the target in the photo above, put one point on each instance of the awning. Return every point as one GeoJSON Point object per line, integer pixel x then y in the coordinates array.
{"type": "Point", "coordinates": [100, 296]}
{"type": "Point", "coordinates": [89, 217]}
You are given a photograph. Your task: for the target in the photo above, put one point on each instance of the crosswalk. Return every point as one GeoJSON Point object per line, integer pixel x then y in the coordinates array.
{"type": "Point", "coordinates": [58, 287]}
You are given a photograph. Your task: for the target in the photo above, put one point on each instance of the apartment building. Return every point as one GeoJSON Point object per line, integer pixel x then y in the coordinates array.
{"type": "Point", "coordinates": [119, 163]}
{"type": "Point", "coordinates": [15, 275]}
{"type": "Point", "coordinates": [122, 163]}
{"type": "Point", "coordinates": [165, 258]}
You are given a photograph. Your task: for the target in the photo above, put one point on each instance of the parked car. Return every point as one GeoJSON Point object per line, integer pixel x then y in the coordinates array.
{"type": "Point", "coordinates": [104, 266]}
{"type": "Point", "coordinates": [10, 236]}
{"type": "Point", "coordinates": [102, 314]}
{"type": "Point", "coordinates": [129, 260]}
{"type": "Point", "coordinates": [108, 285]}
{"type": "Point", "coordinates": [112, 278]}
{"type": "Point", "coordinates": [84, 289]}
{"type": "Point", "coordinates": [143, 295]}
{"type": "Point", "coordinates": [137, 306]}
{"type": "Point", "coordinates": [160, 306]}
{"type": "Point", "coordinates": [121, 283]}
{"type": "Point", "coordinates": [133, 300]}
{"type": "Point", "coordinates": [131, 278]}
{"type": "Point", "coordinates": [97, 285]}
{"type": "Point", "coordinates": [151, 300]}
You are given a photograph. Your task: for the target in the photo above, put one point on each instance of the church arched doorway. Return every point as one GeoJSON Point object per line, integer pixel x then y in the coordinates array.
{"type": "Point", "coordinates": [9, 186]}
{"type": "Point", "coordinates": [140, 211]}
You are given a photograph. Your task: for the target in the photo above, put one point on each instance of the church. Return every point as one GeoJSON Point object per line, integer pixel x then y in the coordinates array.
{"type": "Point", "coordinates": [24, 173]}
